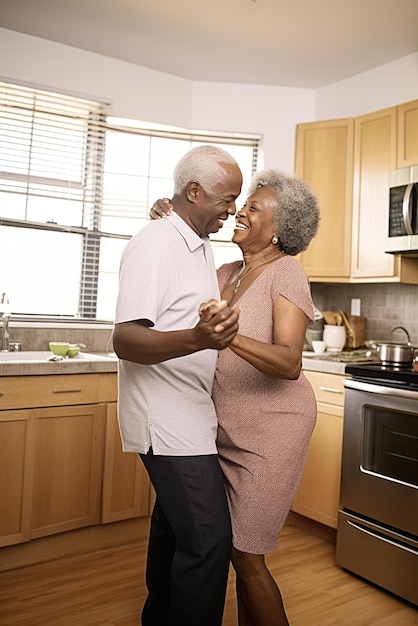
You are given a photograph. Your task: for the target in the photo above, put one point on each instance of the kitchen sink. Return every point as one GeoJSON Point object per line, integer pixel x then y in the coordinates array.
{"type": "Point", "coordinates": [29, 356]}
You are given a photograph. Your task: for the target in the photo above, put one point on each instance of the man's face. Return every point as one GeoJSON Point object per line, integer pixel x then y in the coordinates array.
{"type": "Point", "coordinates": [213, 207]}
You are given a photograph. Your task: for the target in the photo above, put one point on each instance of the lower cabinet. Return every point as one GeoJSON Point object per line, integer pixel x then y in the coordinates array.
{"type": "Point", "coordinates": [67, 468]}
{"type": "Point", "coordinates": [126, 487]}
{"type": "Point", "coordinates": [16, 462]}
{"type": "Point", "coordinates": [319, 491]}
{"type": "Point", "coordinates": [62, 467]}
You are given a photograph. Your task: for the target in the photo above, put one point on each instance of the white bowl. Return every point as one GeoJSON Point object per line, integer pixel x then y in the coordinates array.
{"type": "Point", "coordinates": [318, 347]}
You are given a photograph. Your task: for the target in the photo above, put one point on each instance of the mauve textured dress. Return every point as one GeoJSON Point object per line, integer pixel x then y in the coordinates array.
{"type": "Point", "coordinates": [265, 424]}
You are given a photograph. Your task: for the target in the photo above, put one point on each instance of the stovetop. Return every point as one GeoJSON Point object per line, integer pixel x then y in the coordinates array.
{"type": "Point", "coordinates": [402, 377]}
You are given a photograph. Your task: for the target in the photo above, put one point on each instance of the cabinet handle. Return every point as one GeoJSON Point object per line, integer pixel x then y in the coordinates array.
{"type": "Point", "coordinates": [66, 390]}
{"type": "Point", "coordinates": [330, 389]}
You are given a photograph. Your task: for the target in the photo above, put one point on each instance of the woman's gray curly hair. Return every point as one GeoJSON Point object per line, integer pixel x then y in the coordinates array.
{"type": "Point", "coordinates": [296, 213]}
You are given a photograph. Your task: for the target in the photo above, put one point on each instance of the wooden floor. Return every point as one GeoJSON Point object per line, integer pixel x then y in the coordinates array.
{"type": "Point", "coordinates": [106, 588]}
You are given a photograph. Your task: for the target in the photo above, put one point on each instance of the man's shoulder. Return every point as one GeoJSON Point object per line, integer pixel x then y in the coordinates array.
{"type": "Point", "coordinates": [153, 234]}
{"type": "Point", "coordinates": [155, 227]}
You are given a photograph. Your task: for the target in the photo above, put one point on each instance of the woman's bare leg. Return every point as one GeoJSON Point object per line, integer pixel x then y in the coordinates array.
{"type": "Point", "coordinates": [259, 599]}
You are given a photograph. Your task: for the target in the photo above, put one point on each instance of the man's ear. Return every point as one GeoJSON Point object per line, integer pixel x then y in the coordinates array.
{"type": "Point", "coordinates": [192, 190]}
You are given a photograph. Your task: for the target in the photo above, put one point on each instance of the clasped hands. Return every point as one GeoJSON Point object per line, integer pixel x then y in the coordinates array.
{"type": "Point", "coordinates": [218, 323]}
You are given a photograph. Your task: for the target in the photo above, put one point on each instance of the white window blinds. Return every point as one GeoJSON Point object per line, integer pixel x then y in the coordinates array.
{"type": "Point", "coordinates": [74, 187]}
{"type": "Point", "coordinates": [49, 148]}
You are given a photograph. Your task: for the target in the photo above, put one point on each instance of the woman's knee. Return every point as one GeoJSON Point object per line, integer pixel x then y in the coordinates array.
{"type": "Point", "coordinates": [246, 564]}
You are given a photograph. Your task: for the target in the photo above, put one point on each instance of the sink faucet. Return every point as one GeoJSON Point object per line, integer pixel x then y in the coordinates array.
{"type": "Point", "coordinates": [6, 319]}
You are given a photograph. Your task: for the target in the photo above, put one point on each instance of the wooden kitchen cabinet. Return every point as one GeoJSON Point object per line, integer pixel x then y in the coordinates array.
{"type": "Point", "coordinates": [324, 158]}
{"type": "Point", "coordinates": [16, 460]}
{"type": "Point", "coordinates": [52, 435]}
{"type": "Point", "coordinates": [67, 468]}
{"type": "Point", "coordinates": [351, 179]}
{"type": "Point", "coordinates": [375, 155]}
{"type": "Point", "coordinates": [20, 392]}
{"type": "Point", "coordinates": [407, 134]}
{"type": "Point", "coordinates": [319, 491]}
{"type": "Point", "coordinates": [61, 463]}
{"type": "Point", "coordinates": [126, 487]}
{"type": "Point", "coordinates": [374, 158]}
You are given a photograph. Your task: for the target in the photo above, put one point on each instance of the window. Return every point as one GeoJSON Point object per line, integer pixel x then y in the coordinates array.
{"type": "Point", "coordinates": [74, 187]}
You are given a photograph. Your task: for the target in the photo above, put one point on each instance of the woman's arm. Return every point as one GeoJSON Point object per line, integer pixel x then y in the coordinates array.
{"type": "Point", "coordinates": [283, 358]}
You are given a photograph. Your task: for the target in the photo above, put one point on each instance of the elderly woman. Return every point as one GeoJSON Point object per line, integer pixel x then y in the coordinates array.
{"type": "Point", "coordinates": [266, 407]}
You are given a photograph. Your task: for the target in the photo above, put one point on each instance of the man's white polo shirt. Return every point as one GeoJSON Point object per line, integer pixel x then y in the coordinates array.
{"type": "Point", "coordinates": [166, 272]}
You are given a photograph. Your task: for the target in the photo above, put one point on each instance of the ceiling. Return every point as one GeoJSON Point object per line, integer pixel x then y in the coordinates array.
{"type": "Point", "coordinates": [291, 43]}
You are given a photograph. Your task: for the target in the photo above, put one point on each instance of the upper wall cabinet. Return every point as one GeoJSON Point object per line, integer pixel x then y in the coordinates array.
{"type": "Point", "coordinates": [408, 134]}
{"type": "Point", "coordinates": [324, 158]}
{"type": "Point", "coordinates": [374, 158]}
{"type": "Point", "coordinates": [380, 142]}
{"type": "Point", "coordinates": [376, 146]}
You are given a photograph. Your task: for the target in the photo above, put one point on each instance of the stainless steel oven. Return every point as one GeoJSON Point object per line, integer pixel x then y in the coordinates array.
{"type": "Point", "coordinates": [377, 536]}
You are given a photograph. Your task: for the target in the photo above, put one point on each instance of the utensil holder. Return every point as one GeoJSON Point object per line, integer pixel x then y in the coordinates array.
{"type": "Point", "coordinates": [356, 338]}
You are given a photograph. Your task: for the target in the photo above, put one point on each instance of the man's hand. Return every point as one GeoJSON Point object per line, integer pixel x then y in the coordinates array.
{"type": "Point", "coordinates": [218, 323]}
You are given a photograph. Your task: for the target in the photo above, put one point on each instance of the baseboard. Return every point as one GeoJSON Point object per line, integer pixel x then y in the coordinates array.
{"type": "Point", "coordinates": [311, 526]}
{"type": "Point", "coordinates": [73, 542]}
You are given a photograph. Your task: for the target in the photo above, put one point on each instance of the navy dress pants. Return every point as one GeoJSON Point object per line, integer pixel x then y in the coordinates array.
{"type": "Point", "coordinates": [190, 542]}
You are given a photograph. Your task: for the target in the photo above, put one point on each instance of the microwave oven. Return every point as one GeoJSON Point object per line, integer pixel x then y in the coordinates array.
{"type": "Point", "coordinates": [403, 212]}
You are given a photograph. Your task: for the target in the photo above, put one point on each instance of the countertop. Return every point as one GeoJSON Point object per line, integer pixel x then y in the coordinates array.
{"type": "Point", "coordinates": [37, 364]}
{"type": "Point", "coordinates": [315, 364]}
{"type": "Point", "coordinates": [335, 363]}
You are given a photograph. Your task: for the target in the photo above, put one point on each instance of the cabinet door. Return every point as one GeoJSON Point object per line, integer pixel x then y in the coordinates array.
{"type": "Point", "coordinates": [126, 487]}
{"type": "Point", "coordinates": [374, 157]}
{"type": "Point", "coordinates": [408, 134]}
{"type": "Point", "coordinates": [67, 468]}
{"type": "Point", "coordinates": [324, 158]}
{"type": "Point", "coordinates": [319, 491]}
{"type": "Point", "coordinates": [16, 447]}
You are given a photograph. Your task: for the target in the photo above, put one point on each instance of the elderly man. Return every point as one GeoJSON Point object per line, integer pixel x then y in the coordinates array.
{"type": "Point", "coordinates": [167, 358]}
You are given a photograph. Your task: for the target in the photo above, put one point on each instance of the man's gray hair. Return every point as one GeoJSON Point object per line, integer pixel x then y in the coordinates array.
{"type": "Point", "coordinates": [202, 165]}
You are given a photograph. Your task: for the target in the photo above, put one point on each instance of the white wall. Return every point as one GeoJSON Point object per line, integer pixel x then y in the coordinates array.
{"type": "Point", "coordinates": [133, 91]}
{"type": "Point", "coordinates": [271, 111]}
{"type": "Point", "coordinates": [152, 96]}
{"type": "Point", "coordinates": [385, 86]}
{"type": "Point", "coordinates": [136, 91]}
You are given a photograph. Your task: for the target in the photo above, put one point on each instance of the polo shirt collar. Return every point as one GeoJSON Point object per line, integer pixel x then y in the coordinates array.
{"type": "Point", "coordinates": [191, 238]}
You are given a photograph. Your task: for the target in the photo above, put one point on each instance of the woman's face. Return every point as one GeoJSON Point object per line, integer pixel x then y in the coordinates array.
{"type": "Point", "coordinates": [254, 222]}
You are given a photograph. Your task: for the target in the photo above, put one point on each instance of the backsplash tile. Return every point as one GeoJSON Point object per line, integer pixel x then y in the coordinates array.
{"type": "Point", "coordinates": [95, 340]}
{"type": "Point", "coordinates": [384, 305]}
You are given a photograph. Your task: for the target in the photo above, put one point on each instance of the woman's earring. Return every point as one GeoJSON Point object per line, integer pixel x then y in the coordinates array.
{"type": "Point", "coordinates": [274, 240]}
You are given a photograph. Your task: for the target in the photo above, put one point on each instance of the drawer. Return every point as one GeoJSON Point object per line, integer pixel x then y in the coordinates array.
{"type": "Point", "coordinates": [328, 388]}
{"type": "Point", "coordinates": [17, 392]}
{"type": "Point", "coordinates": [108, 387]}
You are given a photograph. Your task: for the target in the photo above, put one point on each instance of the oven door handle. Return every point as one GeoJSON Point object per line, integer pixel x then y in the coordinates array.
{"type": "Point", "coordinates": [379, 535]}
{"type": "Point", "coordinates": [385, 391]}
